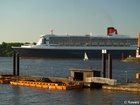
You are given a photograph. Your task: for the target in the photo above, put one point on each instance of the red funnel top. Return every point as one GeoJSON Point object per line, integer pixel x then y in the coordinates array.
{"type": "Point", "coordinates": [111, 30]}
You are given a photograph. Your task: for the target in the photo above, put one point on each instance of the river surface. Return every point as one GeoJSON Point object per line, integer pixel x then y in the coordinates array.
{"type": "Point", "coordinates": [14, 95]}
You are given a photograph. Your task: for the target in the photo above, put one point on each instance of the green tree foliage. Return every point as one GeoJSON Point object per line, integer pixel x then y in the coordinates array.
{"type": "Point", "coordinates": [6, 49]}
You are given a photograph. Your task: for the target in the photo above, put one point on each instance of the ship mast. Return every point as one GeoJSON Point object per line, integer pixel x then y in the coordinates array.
{"type": "Point", "coordinates": [51, 31]}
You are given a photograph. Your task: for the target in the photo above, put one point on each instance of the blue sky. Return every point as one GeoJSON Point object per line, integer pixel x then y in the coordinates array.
{"type": "Point", "coordinates": [26, 20]}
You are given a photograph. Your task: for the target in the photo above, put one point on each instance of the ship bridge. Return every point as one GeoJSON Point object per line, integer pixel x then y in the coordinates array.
{"type": "Point", "coordinates": [43, 40]}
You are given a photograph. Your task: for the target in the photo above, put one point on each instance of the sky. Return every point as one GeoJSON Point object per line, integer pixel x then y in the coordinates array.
{"type": "Point", "coordinates": [25, 20]}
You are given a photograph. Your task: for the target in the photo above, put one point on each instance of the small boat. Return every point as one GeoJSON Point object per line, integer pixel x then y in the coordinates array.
{"type": "Point", "coordinates": [85, 56]}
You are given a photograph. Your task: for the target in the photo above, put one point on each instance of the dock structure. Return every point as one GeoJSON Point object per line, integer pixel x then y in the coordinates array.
{"type": "Point", "coordinates": [46, 82]}
{"type": "Point", "coordinates": [101, 80]}
{"type": "Point", "coordinates": [131, 87]}
{"type": "Point", "coordinates": [91, 78]}
{"type": "Point", "coordinates": [82, 74]}
{"type": "Point", "coordinates": [85, 77]}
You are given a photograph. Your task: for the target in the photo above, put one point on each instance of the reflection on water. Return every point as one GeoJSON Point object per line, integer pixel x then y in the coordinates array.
{"type": "Point", "coordinates": [15, 95]}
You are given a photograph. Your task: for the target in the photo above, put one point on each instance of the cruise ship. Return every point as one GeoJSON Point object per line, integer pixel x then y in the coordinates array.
{"type": "Point", "coordinates": [66, 46]}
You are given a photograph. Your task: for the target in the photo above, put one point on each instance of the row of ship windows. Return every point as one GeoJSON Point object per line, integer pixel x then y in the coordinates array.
{"type": "Point", "coordinates": [75, 41]}
{"type": "Point", "coordinates": [94, 44]}
{"type": "Point", "coordinates": [90, 42]}
{"type": "Point", "coordinates": [89, 39]}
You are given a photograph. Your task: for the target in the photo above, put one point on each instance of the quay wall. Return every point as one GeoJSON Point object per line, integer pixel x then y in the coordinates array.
{"type": "Point", "coordinates": [124, 87]}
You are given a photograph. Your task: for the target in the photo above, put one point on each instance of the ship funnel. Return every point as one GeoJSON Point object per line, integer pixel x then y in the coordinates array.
{"type": "Point", "coordinates": [111, 30]}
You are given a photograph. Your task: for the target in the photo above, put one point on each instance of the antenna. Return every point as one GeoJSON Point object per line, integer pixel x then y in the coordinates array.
{"type": "Point", "coordinates": [90, 34]}
{"type": "Point", "coordinates": [66, 34]}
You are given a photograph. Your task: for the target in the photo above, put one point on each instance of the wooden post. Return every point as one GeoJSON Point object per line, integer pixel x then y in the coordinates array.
{"type": "Point", "coordinates": [122, 56]}
{"type": "Point", "coordinates": [17, 66]}
{"type": "Point", "coordinates": [103, 63]}
{"type": "Point", "coordinates": [109, 66]}
{"type": "Point", "coordinates": [14, 64]}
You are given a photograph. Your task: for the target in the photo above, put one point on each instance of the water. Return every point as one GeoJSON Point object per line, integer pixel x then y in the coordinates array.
{"type": "Point", "coordinates": [14, 95]}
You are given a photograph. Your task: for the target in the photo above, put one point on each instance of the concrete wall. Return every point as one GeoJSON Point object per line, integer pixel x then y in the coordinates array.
{"type": "Point", "coordinates": [87, 74]}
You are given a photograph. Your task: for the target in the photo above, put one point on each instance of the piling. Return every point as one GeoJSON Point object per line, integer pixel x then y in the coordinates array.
{"type": "Point", "coordinates": [17, 64]}
{"type": "Point", "coordinates": [139, 44]}
{"type": "Point", "coordinates": [104, 63]}
{"type": "Point", "coordinates": [14, 64]}
{"type": "Point", "coordinates": [109, 66]}
{"type": "Point", "coordinates": [122, 56]}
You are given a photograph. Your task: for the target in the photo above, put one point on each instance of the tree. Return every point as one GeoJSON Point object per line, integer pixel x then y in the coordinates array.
{"type": "Point", "coordinates": [6, 49]}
